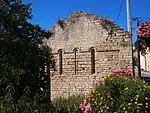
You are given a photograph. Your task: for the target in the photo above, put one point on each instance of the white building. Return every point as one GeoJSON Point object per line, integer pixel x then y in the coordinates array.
{"type": "Point", "coordinates": [144, 59]}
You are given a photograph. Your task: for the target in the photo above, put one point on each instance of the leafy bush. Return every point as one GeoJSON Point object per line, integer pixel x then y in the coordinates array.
{"type": "Point", "coordinates": [70, 105]}
{"type": "Point", "coordinates": [59, 105]}
{"type": "Point", "coordinates": [24, 105]}
{"type": "Point", "coordinates": [119, 92]}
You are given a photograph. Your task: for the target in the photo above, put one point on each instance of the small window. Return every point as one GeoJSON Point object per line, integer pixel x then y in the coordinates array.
{"type": "Point", "coordinates": [60, 62]}
{"type": "Point", "coordinates": [92, 50]}
{"type": "Point", "coordinates": [75, 61]}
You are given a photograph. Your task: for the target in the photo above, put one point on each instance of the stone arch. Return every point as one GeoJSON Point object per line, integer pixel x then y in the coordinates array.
{"type": "Point", "coordinates": [93, 52]}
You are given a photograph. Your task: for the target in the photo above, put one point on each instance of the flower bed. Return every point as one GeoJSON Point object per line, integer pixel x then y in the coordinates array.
{"type": "Point", "coordinates": [119, 92]}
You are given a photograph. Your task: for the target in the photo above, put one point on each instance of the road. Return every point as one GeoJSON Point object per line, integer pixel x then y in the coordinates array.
{"type": "Point", "coordinates": [144, 75]}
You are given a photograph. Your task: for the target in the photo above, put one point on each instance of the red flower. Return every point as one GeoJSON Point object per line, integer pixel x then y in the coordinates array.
{"type": "Point", "coordinates": [143, 30]}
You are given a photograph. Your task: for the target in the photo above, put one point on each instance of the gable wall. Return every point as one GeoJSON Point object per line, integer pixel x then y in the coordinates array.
{"type": "Point", "coordinates": [82, 33]}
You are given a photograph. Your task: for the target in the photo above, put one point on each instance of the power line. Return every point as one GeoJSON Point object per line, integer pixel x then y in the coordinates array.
{"type": "Point", "coordinates": [120, 10]}
{"type": "Point", "coordinates": [141, 18]}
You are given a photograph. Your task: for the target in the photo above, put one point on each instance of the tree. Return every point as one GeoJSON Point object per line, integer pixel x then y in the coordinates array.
{"type": "Point", "coordinates": [21, 56]}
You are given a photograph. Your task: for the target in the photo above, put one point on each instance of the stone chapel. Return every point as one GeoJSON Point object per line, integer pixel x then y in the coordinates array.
{"type": "Point", "coordinates": [85, 47]}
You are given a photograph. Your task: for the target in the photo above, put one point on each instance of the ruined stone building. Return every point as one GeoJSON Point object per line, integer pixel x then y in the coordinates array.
{"type": "Point", "coordinates": [84, 47]}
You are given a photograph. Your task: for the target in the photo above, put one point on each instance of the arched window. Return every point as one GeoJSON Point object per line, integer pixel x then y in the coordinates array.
{"type": "Point", "coordinates": [75, 60]}
{"type": "Point", "coordinates": [92, 50]}
{"type": "Point", "coordinates": [60, 62]}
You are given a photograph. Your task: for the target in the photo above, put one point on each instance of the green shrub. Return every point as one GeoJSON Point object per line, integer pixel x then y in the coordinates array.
{"type": "Point", "coordinates": [119, 92]}
{"type": "Point", "coordinates": [59, 105]}
{"type": "Point", "coordinates": [23, 106]}
{"type": "Point", "coordinates": [70, 105]}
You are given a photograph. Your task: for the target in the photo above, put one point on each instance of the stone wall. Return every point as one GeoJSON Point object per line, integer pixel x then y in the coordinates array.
{"type": "Point", "coordinates": [75, 36]}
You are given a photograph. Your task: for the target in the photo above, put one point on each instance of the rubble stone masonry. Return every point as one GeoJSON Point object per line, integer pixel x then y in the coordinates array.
{"type": "Point", "coordinates": [84, 50]}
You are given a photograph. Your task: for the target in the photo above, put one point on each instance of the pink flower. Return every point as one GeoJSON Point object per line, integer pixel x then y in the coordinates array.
{"type": "Point", "coordinates": [86, 96]}
{"type": "Point", "coordinates": [143, 30]}
{"type": "Point", "coordinates": [82, 107]}
{"type": "Point", "coordinates": [125, 71]}
{"type": "Point", "coordinates": [87, 108]}
{"type": "Point", "coordinates": [84, 102]}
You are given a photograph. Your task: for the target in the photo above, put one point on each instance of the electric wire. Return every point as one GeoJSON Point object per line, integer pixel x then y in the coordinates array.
{"type": "Point", "coordinates": [120, 10]}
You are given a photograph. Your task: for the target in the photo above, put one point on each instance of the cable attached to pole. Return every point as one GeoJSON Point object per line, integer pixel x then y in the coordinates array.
{"type": "Point", "coordinates": [120, 10]}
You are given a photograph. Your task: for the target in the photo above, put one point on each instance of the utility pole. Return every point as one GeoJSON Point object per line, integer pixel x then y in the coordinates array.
{"type": "Point", "coordinates": [128, 16]}
{"type": "Point", "coordinates": [130, 28]}
{"type": "Point", "coordinates": [138, 52]}
{"type": "Point", "coordinates": [138, 21]}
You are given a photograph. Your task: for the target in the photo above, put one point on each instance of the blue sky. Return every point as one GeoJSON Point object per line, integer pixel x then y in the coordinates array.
{"type": "Point", "coordinates": [47, 12]}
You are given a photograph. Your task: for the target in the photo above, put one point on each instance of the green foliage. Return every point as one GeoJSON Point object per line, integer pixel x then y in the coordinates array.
{"type": "Point", "coordinates": [22, 60]}
{"type": "Point", "coordinates": [70, 105]}
{"type": "Point", "coordinates": [23, 105]}
{"type": "Point", "coordinates": [61, 23]}
{"type": "Point", "coordinates": [24, 81]}
{"type": "Point", "coordinates": [120, 93]}
{"type": "Point", "coordinates": [59, 105]}
{"type": "Point", "coordinates": [110, 26]}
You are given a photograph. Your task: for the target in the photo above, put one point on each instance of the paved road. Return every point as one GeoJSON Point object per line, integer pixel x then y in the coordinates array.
{"type": "Point", "coordinates": [144, 75]}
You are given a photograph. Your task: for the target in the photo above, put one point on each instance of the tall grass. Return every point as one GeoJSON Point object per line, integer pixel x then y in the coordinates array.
{"type": "Point", "coordinates": [70, 105]}
{"type": "Point", "coordinates": [59, 105]}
